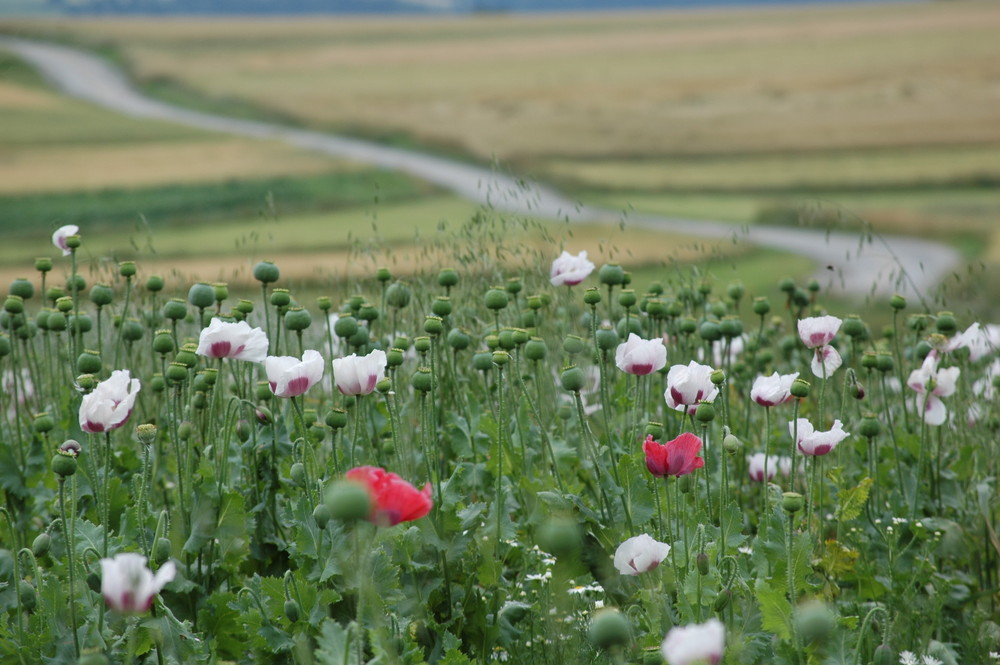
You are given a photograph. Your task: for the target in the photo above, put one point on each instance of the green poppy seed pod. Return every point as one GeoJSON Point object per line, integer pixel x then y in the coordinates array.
{"type": "Point", "coordinates": [368, 312]}
{"type": "Point", "coordinates": [394, 357]}
{"type": "Point", "coordinates": [535, 302]}
{"type": "Point", "coordinates": [14, 304]}
{"type": "Point", "coordinates": [718, 309]}
{"type": "Point", "coordinates": [535, 349]}
{"type": "Point", "coordinates": [41, 544]}
{"type": "Point", "coordinates": [176, 373]}
{"type": "Point", "coordinates": [398, 295]}
{"type": "Point", "coordinates": [528, 319]}
{"type": "Point", "coordinates": [266, 272]}
{"type": "Point", "coordinates": [656, 308]}
{"type": "Point", "coordinates": [27, 331]}
{"type": "Point", "coordinates": [64, 304]}
{"type": "Point", "coordinates": [945, 323]}
{"type": "Point", "coordinates": [80, 323]}
{"type": "Point", "coordinates": [800, 298]}
{"type": "Point", "coordinates": [157, 384]}
{"type": "Point", "coordinates": [383, 385]}
{"type": "Point", "coordinates": [422, 344]}
{"type": "Point", "coordinates": [710, 331]}
{"type": "Point", "coordinates": [704, 412]}
{"type": "Point", "coordinates": [731, 444]}
{"type": "Point", "coordinates": [422, 379]}
{"type": "Point", "coordinates": [701, 561]}
{"type": "Point", "coordinates": [787, 285]}
{"type": "Point", "coordinates": [298, 474]}
{"type": "Point", "coordinates": [735, 291]}
{"type": "Point", "coordinates": [731, 326]}
{"type": "Point", "coordinates": [345, 326]}
{"type": "Point", "coordinates": [63, 464]}
{"type": "Point", "coordinates": [87, 382]}
{"type": "Point", "coordinates": [674, 308]}
{"type": "Point", "coordinates": [501, 358]}
{"type": "Point", "coordinates": [348, 500]}
{"type": "Point", "coordinates": [761, 306]}
{"type": "Point", "coordinates": [281, 298]}
{"type": "Point", "coordinates": [496, 298]}
{"type": "Point", "coordinates": [654, 429]}
{"type": "Point", "coordinates": [800, 388]}
{"type": "Point", "coordinates": [43, 264]}
{"type": "Point", "coordinates": [722, 600]}
{"type": "Point", "coordinates": [43, 422]}
{"type": "Point", "coordinates": [572, 379]}
{"type": "Point", "coordinates": [132, 330]}
{"type": "Point", "coordinates": [609, 628]}
{"type": "Point", "coordinates": [884, 362]}
{"type": "Point", "coordinates": [813, 286]}
{"type": "Point", "coordinates": [441, 306]}
{"type": "Point", "coordinates": [458, 339]}
{"type": "Point", "coordinates": [26, 593]}
{"type": "Point", "coordinates": [161, 551]}
{"type": "Point", "coordinates": [870, 427]}
{"type": "Point", "coordinates": [101, 294]}
{"type": "Point", "coordinates": [921, 350]}
{"type": "Point", "coordinates": [53, 293]}
{"type": "Point", "coordinates": [560, 536]}
{"type": "Point", "coordinates": [22, 288]}
{"type": "Point", "coordinates": [492, 342]}
{"type": "Point", "coordinates": [297, 319]}
{"type": "Point", "coordinates": [383, 275]}
{"type": "Point", "coordinates": [220, 291]}
{"type": "Point", "coordinates": [201, 295]}
{"type": "Point", "coordinates": [884, 655]}
{"type": "Point", "coordinates": [186, 356]}
{"type": "Point", "coordinates": [514, 285]}
{"type": "Point", "coordinates": [42, 318]}
{"type": "Point", "coordinates": [448, 277]}
{"type": "Point", "coordinates": [853, 326]}
{"type": "Point", "coordinates": [185, 430]}
{"type": "Point", "coordinates": [163, 342]}
{"type": "Point", "coordinates": [869, 360]}
{"type": "Point", "coordinates": [174, 309]}
{"type": "Point", "coordinates": [89, 362]}
{"type": "Point", "coordinates": [4, 346]}
{"type": "Point", "coordinates": [565, 411]}
{"type": "Point", "coordinates": [687, 325]}
{"type": "Point", "coordinates": [573, 345]}
{"type": "Point", "coordinates": [607, 339]}
{"type": "Point", "coordinates": [506, 339]}
{"type": "Point", "coordinates": [482, 361]}
{"type": "Point", "coordinates": [627, 298]}
{"type": "Point", "coordinates": [815, 623]}
{"type": "Point", "coordinates": [154, 284]}
{"type": "Point", "coordinates": [792, 502]}
{"type": "Point", "coordinates": [717, 377]}
{"type": "Point", "coordinates": [76, 284]}
{"type": "Point", "coordinates": [354, 302]}
{"type": "Point", "coordinates": [146, 434]}
{"type": "Point", "coordinates": [520, 336]}
{"type": "Point", "coordinates": [611, 274]}
{"type": "Point", "coordinates": [433, 325]}
{"type": "Point", "coordinates": [628, 325]}
{"type": "Point", "coordinates": [592, 296]}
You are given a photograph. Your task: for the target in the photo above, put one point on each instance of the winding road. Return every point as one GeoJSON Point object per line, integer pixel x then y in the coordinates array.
{"type": "Point", "coordinates": [850, 263]}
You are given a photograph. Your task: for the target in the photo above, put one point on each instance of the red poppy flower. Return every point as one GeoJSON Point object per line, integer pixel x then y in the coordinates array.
{"type": "Point", "coordinates": [673, 458]}
{"type": "Point", "coordinates": [393, 499]}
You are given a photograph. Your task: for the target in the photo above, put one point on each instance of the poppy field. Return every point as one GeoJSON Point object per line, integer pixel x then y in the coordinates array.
{"type": "Point", "coordinates": [535, 462]}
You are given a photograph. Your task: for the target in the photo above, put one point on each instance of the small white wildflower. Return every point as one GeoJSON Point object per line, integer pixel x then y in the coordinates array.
{"type": "Point", "coordinates": [598, 604]}
{"type": "Point", "coordinates": [927, 659]}
{"type": "Point", "coordinates": [995, 655]}
{"type": "Point", "coordinates": [907, 657]}
{"type": "Point", "coordinates": [745, 550]}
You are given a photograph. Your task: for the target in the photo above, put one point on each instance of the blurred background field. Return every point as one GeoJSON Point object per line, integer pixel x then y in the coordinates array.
{"type": "Point", "coordinates": [840, 115]}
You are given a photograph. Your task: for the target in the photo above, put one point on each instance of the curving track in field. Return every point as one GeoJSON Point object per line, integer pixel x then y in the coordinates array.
{"type": "Point", "coordinates": [850, 263]}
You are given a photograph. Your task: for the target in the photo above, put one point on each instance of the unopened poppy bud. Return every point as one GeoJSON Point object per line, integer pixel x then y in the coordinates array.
{"type": "Point", "coordinates": [266, 272]}
{"type": "Point", "coordinates": [185, 430]}
{"type": "Point", "coordinates": [201, 295]}
{"type": "Point", "coordinates": [684, 484]}
{"type": "Point", "coordinates": [800, 388]}
{"type": "Point", "coordinates": [572, 379]}
{"type": "Point", "coordinates": [243, 430]}
{"type": "Point", "coordinates": [154, 284]}
{"type": "Point", "coordinates": [297, 318]}
{"type": "Point", "coordinates": [858, 390]}
{"type": "Point", "coordinates": [501, 358]}
{"type": "Point", "coordinates": [722, 600]}
{"type": "Point", "coordinates": [701, 561]}
{"type": "Point", "coordinates": [348, 500]}
{"type": "Point", "coordinates": [41, 544]}
{"type": "Point", "coordinates": [26, 594]}
{"type": "Point", "coordinates": [609, 628]}
{"type": "Point", "coordinates": [731, 443]}
{"type": "Point", "coordinates": [884, 655]}
{"type": "Point", "coordinates": [43, 264]}
{"type": "Point", "coordinates": [336, 419]}
{"type": "Point", "coordinates": [43, 422]}
{"type": "Point", "coordinates": [945, 323]}
{"type": "Point", "coordinates": [422, 379]}
{"type": "Point", "coordinates": [264, 415]}
{"type": "Point", "coordinates": [815, 622]}
{"type": "Point", "coordinates": [560, 536]}
{"type": "Point", "coordinates": [704, 412]}
{"type": "Point", "coordinates": [93, 580]}
{"type": "Point", "coordinates": [63, 464]}
{"type": "Point", "coordinates": [322, 515]}
{"type": "Point", "coordinates": [496, 298]}
{"type": "Point", "coordinates": [161, 550]}
{"type": "Point", "coordinates": [573, 344]}
{"type": "Point", "coordinates": [281, 298]}
{"type": "Point", "coordinates": [792, 502]}
{"type": "Point", "coordinates": [592, 296]}
{"type": "Point", "coordinates": [611, 274]}
{"type": "Point", "coordinates": [298, 474]}
{"type": "Point", "coordinates": [146, 433]}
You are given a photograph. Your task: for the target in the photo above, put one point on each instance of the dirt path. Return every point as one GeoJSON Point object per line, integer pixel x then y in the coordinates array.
{"type": "Point", "coordinates": [849, 264]}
